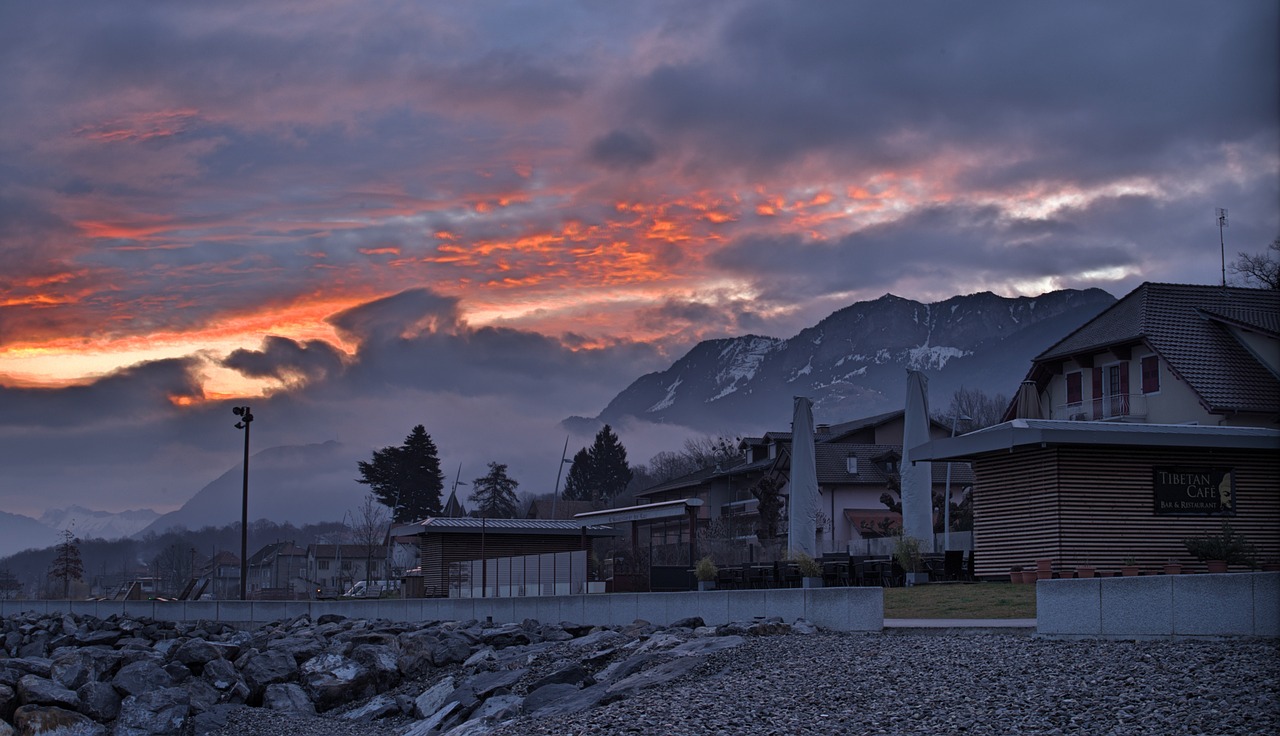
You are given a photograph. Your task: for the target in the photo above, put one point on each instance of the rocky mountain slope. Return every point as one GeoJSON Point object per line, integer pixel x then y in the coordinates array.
{"type": "Point", "coordinates": [852, 363]}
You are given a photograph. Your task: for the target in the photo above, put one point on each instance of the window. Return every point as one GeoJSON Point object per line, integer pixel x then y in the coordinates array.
{"type": "Point", "coordinates": [324, 564]}
{"type": "Point", "coordinates": [346, 564]}
{"type": "Point", "coordinates": [1075, 387]}
{"type": "Point", "coordinates": [1150, 374]}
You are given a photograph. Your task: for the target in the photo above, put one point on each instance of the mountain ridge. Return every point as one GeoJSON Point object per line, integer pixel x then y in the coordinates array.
{"type": "Point", "coordinates": [851, 361]}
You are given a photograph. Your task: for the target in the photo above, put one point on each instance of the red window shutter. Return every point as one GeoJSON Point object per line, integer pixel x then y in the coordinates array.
{"type": "Point", "coordinates": [1097, 383]}
{"type": "Point", "coordinates": [1150, 374]}
{"type": "Point", "coordinates": [1124, 378]}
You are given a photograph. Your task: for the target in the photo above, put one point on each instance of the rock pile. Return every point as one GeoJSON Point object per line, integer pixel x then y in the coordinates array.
{"type": "Point", "coordinates": [131, 677]}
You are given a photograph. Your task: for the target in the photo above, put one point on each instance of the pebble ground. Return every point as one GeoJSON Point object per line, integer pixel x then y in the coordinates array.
{"type": "Point", "coordinates": [831, 683]}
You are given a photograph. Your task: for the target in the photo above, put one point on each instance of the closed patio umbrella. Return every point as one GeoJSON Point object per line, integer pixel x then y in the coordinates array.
{"type": "Point", "coordinates": [917, 478]}
{"type": "Point", "coordinates": [803, 485]}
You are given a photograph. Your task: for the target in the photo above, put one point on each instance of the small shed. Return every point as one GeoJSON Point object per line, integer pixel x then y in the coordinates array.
{"type": "Point", "coordinates": [443, 541]}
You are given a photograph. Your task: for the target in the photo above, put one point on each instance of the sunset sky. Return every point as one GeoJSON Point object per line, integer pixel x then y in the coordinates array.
{"type": "Point", "coordinates": [362, 216]}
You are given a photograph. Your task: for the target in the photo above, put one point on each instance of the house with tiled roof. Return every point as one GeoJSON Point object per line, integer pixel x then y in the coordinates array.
{"type": "Point", "coordinates": [1155, 422]}
{"type": "Point", "coordinates": [857, 463]}
{"type": "Point", "coordinates": [1167, 354]}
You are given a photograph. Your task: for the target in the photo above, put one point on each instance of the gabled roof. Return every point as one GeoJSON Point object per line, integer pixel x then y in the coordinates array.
{"type": "Point", "coordinates": [1186, 325]}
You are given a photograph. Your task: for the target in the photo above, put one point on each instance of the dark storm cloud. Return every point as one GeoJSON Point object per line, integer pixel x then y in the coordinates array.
{"type": "Point", "coordinates": [139, 393]}
{"type": "Point", "coordinates": [623, 150]}
{"type": "Point", "coordinates": [946, 243]}
{"type": "Point", "coordinates": [1083, 85]}
{"type": "Point", "coordinates": [288, 361]}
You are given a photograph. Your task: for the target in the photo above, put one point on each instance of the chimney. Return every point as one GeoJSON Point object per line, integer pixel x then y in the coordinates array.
{"type": "Point", "coordinates": [822, 429]}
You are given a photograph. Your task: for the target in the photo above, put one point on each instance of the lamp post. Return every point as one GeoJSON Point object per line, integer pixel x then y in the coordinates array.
{"type": "Point", "coordinates": [246, 419]}
{"type": "Point", "coordinates": [946, 493]}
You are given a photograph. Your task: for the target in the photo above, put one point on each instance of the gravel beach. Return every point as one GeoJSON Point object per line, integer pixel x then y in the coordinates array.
{"type": "Point", "coordinates": [831, 683]}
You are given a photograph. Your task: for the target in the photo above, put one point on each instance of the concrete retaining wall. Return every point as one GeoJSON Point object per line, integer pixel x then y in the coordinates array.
{"type": "Point", "coordinates": [842, 609]}
{"type": "Point", "coordinates": [1164, 606]}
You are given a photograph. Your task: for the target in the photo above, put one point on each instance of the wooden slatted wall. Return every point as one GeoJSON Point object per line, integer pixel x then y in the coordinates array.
{"type": "Point", "coordinates": [1094, 505]}
{"type": "Point", "coordinates": [1015, 501]}
{"type": "Point", "coordinates": [1108, 508]}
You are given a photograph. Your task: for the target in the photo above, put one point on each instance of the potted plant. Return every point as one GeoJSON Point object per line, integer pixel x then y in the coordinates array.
{"type": "Point", "coordinates": [1015, 574]}
{"type": "Point", "coordinates": [906, 552]}
{"type": "Point", "coordinates": [1086, 570]}
{"type": "Point", "coordinates": [1218, 551]}
{"type": "Point", "coordinates": [1130, 567]}
{"type": "Point", "coordinates": [706, 571]}
{"type": "Point", "coordinates": [1172, 567]}
{"type": "Point", "coordinates": [1044, 570]}
{"type": "Point", "coordinates": [810, 570]}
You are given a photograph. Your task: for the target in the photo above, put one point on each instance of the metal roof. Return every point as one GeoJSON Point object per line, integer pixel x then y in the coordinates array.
{"type": "Point", "coordinates": [531, 527]}
{"type": "Point", "coordinates": [1044, 432]}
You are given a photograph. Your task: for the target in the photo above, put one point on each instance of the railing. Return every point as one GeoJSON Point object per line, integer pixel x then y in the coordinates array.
{"type": "Point", "coordinates": [1118, 406]}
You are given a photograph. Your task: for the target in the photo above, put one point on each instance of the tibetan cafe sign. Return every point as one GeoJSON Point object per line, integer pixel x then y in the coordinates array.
{"type": "Point", "coordinates": [1195, 491]}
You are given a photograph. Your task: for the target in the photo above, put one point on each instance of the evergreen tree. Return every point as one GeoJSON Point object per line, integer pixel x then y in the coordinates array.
{"type": "Point", "coordinates": [600, 473]}
{"type": "Point", "coordinates": [577, 485]}
{"type": "Point", "coordinates": [407, 478]}
{"type": "Point", "coordinates": [67, 565]}
{"type": "Point", "coordinates": [495, 493]}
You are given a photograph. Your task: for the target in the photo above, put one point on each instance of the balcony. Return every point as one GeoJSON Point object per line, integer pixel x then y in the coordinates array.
{"type": "Point", "coordinates": [1119, 407]}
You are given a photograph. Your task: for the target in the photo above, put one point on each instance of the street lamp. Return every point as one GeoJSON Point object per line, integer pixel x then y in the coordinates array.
{"type": "Point", "coordinates": [246, 419]}
{"type": "Point", "coordinates": [946, 493]}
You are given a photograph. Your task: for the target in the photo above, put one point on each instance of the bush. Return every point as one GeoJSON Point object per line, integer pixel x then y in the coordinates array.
{"type": "Point", "coordinates": [906, 552]}
{"type": "Point", "coordinates": [706, 570]}
{"type": "Point", "coordinates": [1228, 545]}
{"type": "Point", "coordinates": [809, 567]}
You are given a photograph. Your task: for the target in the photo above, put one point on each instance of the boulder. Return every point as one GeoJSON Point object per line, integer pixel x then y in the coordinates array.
{"type": "Point", "coordinates": [288, 697]}
{"type": "Point", "coordinates": [332, 679]}
{"type": "Point", "coordinates": [155, 713]}
{"type": "Point", "coordinates": [380, 660]}
{"type": "Point", "coordinates": [8, 702]}
{"type": "Point", "coordinates": [572, 673]}
{"type": "Point", "coordinates": [223, 677]}
{"type": "Point", "coordinates": [654, 676]}
{"type": "Point", "coordinates": [41, 720]}
{"type": "Point", "coordinates": [487, 683]}
{"type": "Point", "coordinates": [78, 666]}
{"type": "Point", "coordinates": [379, 706]}
{"type": "Point", "coordinates": [426, 704]}
{"type": "Point", "coordinates": [141, 677]}
{"type": "Point", "coordinates": [36, 690]}
{"type": "Point", "coordinates": [429, 725]}
{"type": "Point", "coordinates": [195, 653]}
{"type": "Point", "coordinates": [99, 701]}
{"type": "Point", "coordinates": [267, 668]}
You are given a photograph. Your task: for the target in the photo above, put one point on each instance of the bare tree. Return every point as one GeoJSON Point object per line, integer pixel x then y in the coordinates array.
{"type": "Point", "coordinates": [369, 526]}
{"type": "Point", "coordinates": [66, 562]}
{"type": "Point", "coordinates": [983, 409]}
{"type": "Point", "coordinates": [1261, 270]}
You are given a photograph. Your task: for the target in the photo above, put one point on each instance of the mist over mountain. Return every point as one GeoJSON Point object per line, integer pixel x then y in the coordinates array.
{"type": "Point", "coordinates": [304, 484]}
{"type": "Point", "coordinates": [852, 363]}
{"type": "Point", "coordinates": [18, 532]}
{"type": "Point", "coordinates": [89, 524]}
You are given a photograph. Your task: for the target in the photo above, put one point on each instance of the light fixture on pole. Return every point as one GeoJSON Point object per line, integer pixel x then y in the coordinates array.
{"type": "Point", "coordinates": [246, 419]}
{"type": "Point", "coordinates": [946, 492]}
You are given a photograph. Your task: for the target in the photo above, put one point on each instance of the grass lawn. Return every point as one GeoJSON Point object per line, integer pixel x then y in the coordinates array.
{"type": "Point", "coordinates": [974, 600]}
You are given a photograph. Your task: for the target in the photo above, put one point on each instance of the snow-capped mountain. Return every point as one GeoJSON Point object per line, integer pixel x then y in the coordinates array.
{"type": "Point", "coordinates": [89, 524]}
{"type": "Point", "coordinates": [852, 363]}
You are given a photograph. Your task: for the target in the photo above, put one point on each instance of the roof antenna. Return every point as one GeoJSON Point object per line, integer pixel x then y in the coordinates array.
{"type": "Point", "coordinates": [1222, 222]}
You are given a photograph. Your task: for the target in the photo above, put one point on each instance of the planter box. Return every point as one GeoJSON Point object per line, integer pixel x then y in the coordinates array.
{"type": "Point", "coordinates": [1085, 573]}
{"type": "Point", "coordinates": [811, 582]}
{"type": "Point", "coordinates": [915, 578]}
{"type": "Point", "coordinates": [706, 585]}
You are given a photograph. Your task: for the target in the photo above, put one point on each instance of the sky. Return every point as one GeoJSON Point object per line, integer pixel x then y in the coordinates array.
{"type": "Point", "coordinates": [488, 216]}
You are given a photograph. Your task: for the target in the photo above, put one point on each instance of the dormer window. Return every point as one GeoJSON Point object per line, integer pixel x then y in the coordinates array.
{"type": "Point", "coordinates": [851, 464]}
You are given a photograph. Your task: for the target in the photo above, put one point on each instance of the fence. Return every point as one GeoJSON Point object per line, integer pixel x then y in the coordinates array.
{"type": "Point", "coordinates": [553, 573]}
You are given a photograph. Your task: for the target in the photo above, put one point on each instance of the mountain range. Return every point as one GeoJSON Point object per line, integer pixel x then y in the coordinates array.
{"type": "Point", "coordinates": [852, 363]}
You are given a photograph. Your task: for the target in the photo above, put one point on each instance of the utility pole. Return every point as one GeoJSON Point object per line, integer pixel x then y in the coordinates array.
{"type": "Point", "coordinates": [246, 419]}
{"type": "Point", "coordinates": [555, 495]}
{"type": "Point", "coordinates": [1222, 244]}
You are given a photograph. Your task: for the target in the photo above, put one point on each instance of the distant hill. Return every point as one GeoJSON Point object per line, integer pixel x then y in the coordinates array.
{"type": "Point", "coordinates": [853, 363]}
{"type": "Point", "coordinates": [300, 484]}
{"type": "Point", "coordinates": [19, 532]}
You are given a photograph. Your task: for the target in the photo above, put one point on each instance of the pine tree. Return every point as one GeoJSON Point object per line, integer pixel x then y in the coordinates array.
{"type": "Point", "coordinates": [407, 478]}
{"type": "Point", "coordinates": [67, 565]}
{"type": "Point", "coordinates": [577, 485]}
{"type": "Point", "coordinates": [600, 473]}
{"type": "Point", "coordinates": [495, 493]}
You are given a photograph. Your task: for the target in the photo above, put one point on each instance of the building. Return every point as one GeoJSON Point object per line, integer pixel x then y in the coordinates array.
{"type": "Point", "coordinates": [334, 568]}
{"type": "Point", "coordinates": [443, 541]}
{"type": "Point", "coordinates": [857, 464]}
{"type": "Point", "coordinates": [278, 571]}
{"type": "Point", "coordinates": [1162, 423]}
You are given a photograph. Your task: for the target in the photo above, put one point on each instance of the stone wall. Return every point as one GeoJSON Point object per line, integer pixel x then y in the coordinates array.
{"type": "Point", "coordinates": [840, 609]}
{"type": "Point", "coordinates": [1160, 606]}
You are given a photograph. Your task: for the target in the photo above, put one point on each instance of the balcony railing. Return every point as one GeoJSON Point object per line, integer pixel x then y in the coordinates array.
{"type": "Point", "coordinates": [1118, 406]}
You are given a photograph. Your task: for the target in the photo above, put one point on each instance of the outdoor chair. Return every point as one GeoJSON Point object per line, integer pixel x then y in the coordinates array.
{"type": "Point", "coordinates": [953, 564]}
{"type": "Point", "coordinates": [728, 578]}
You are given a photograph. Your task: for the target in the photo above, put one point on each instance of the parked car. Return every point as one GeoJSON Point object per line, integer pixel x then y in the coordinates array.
{"type": "Point", "coordinates": [372, 589]}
